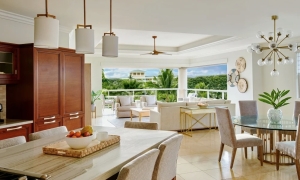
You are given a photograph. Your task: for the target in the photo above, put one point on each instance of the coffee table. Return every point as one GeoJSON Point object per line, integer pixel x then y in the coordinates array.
{"type": "Point", "coordinates": [139, 112]}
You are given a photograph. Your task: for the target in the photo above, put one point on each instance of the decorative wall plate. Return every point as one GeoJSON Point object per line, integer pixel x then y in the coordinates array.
{"type": "Point", "coordinates": [233, 77]}
{"type": "Point", "coordinates": [242, 85]}
{"type": "Point", "coordinates": [240, 64]}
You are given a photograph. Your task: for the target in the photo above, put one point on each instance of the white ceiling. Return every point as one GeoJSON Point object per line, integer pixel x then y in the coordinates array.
{"type": "Point", "coordinates": [190, 28]}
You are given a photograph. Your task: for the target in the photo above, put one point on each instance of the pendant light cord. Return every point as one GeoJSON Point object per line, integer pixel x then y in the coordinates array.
{"type": "Point", "coordinates": [46, 8]}
{"type": "Point", "coordinates": [84, 14]}
{"type": "Point", "coordinates": [110, 16]}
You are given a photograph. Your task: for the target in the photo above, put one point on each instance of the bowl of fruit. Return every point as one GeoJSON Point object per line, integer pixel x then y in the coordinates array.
{"type": "Point", "coordinates": [80, 139]}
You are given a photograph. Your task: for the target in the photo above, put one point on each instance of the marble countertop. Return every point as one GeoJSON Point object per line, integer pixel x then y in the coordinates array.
{"type": "Point", "coordinates": [14, 122]}
{"type": "Point", "coordinates": [29, 157]}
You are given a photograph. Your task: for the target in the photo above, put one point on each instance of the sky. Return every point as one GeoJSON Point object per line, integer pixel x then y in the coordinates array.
{"type": "Point", "coordinates": [191, 72]}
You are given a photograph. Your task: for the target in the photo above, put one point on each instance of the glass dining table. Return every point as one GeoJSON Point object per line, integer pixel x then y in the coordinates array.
{"type": "Point", "coordinates": [270, 134]}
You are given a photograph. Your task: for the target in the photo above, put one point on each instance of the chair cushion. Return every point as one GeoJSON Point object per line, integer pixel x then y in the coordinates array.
{"type": "Point", "coordinates": [287, 147]}
{"type": "Point", "coordinates": [125, 108]}
{"type": "Point", "coordinates": [125, 101]}
{"type": "Point", "coordinates": [247, 140]}
{"type": "Point", "coordinates": [151, 100]}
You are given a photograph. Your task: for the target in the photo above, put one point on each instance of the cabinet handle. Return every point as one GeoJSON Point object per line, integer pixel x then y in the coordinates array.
{"type": "Point", "coordinates": [11, 129]}
{"type": "Point", "coordinates": [49, 122]}
{"type": "Point", "coordinates": [74, 117]}
{"type": "Point", "coordinates": [53, 117]}
{"type": "Point", "coordinates": [72, 114]}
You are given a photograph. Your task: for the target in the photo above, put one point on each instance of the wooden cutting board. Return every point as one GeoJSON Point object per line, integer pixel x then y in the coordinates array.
{"type": "Point", "coordinates": [61, 148]}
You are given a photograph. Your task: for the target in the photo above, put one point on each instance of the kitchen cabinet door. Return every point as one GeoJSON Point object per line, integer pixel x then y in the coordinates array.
{"type": "Point", "coordinates": [47, 77]}
{"type": "Point", "coordinates": [9, 63]}
{"type": "Point", "coordinates": [22, 130]}
{"type": "Point", "coordinates": [74, 122]}
{"type": "Point", "coordinates": [73, 84]}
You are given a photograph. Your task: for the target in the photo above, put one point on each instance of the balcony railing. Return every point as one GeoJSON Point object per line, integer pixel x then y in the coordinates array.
{"type": "Point", "coordinates": [136, 93]}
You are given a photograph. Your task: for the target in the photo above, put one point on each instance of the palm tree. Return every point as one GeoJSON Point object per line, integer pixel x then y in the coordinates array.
{"type": "Point", "coordinates": [166, 78]}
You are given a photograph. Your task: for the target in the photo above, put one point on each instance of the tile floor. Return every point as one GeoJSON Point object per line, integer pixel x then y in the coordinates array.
{"type": "Point", "coordinates": [198, 159]}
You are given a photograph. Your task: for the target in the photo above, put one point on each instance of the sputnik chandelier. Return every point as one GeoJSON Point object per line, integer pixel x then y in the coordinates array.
{"type": "Point", "coordinates": [274, 42]}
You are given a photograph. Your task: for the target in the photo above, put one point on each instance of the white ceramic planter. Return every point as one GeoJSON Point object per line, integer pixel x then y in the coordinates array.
{"type": "Point", "coordinates": [274, 115]}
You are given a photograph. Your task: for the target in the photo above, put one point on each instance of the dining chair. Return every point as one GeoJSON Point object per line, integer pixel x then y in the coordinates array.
{"type": "Point", "coordinates": [248, 108]}
{"type": "Point", "coordinates": [229, 138]}
{"type": "Point", "coordinates": [140, 167]}
{"type": "Point", "coordinates": [5, 143]}
{"type": "Point", "coordinates": [290, 135]}
{"type": "Point", "coordinates": [47, 133]}
{"type": "Point", "coordinates": [166, 163]}
{"type": "Point", "coordinates": [290, 148]}
{"type": "Point", "coordinates": [141, 125]}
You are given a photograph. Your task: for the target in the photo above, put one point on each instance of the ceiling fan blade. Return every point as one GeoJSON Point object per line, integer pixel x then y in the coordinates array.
{"type": "Point", "coordinates": [159, 52]}
{"type": "Point", "coordinates": [151, 53]}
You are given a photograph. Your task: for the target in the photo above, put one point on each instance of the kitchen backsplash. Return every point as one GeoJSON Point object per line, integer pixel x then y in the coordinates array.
{"type": "Point", "coordinates": [3, 100]}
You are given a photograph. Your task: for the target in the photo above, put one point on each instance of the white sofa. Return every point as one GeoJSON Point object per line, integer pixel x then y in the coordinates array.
{"type": "Point", "coordinates": [167, 115]}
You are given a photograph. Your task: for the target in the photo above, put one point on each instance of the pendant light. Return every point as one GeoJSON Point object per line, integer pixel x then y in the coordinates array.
{"type": "Point", "coordinates": [110, 43]}
{"type": "Point", "coordinates": [46, 30]}
{"type": "Point", "coordinates": [84, 37]}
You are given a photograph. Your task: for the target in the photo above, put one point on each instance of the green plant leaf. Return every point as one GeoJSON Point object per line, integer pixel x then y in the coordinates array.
{"type": "Point", "coordinates": [284, 92]}
{"type": "Point", "coordinates": [265, 101]}
{"type": "Point", "coordinates": [266, 97]}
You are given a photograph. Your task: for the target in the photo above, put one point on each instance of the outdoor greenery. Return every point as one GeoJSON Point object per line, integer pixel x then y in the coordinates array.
{"type": "Point", "coordinates": [166, 79]}
{"type": "Point", "coordinates": [275, 98]}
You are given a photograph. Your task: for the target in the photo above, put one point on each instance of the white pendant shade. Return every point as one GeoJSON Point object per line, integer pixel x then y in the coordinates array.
{"type": "Point", "coordinates": [110, 46]}
{"type": "Point", "coordinates": [84, 41]}
{"type": "Point", "coordinates": [46, 32]}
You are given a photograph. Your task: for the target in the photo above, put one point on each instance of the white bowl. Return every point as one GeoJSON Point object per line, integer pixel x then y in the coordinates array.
{"type": "Point", "coordinates": [79, 143]}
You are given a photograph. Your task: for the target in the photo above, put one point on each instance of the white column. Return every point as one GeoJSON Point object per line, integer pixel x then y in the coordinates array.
{"type": "Point", "coordinates": [182, 83]}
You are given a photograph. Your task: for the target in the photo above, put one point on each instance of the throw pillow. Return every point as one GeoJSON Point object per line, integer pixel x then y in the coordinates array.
{"type": "Point", "coordinates": [151, 100]}
{"type": "Point", "coordinates": [125, 101]}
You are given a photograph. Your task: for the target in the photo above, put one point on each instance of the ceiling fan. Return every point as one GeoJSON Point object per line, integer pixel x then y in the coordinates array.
{"type": "Point", "coordinates": [155, 52]}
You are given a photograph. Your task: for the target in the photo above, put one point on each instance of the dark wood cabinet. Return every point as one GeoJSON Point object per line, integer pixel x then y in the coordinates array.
{"type": "Point", "coordinates": [73, 91]}
{"type": "Point", "coordinates": [48, 67]}
{"type": "Point", "coordinates": [74, 122]}
{"type": "Point", "coordinates": [50, 89]}
{"type": "Point", "coordinates": [9, 63]}
{"type": "Point", "coordinates": [21, 130]}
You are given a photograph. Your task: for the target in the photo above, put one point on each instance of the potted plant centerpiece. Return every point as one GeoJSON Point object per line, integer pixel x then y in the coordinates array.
{"type": "Point", "coordinates": [94, 97]}
{"type": "Point", "coordinates": [277, 100]}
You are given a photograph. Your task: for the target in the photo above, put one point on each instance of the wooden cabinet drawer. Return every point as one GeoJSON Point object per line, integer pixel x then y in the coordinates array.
{"type": "Point", "coordinates": [48, 124]}
{"type": "Point", "coordinates": [74, 122]}
{"type": "Point", "coordinates": [22, 130]}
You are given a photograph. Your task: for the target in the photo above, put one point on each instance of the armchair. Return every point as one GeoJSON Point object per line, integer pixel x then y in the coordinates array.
{"type": "Point", "coordinates": [123, 105]}
{"type": "Point", "coordinates": [148, 101]}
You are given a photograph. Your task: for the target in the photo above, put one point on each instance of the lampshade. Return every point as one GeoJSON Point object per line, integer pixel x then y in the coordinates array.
{"type": "Point", "coordinates": [46, 32]}
{"type": "Point", "coordinates": [84, 41]}
{"type": "Point", "coordinates": [110, 46]}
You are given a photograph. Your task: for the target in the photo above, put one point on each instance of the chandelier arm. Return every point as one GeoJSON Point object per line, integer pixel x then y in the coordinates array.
{"type": "Point", "coordinates": [281, 41]}
{"type": "Point", "coordinates": [267, 55]}
{"type": "Point", "coordinates": [277, 38]}
{"type": "Point", "coordinates": [283, 47]}
{"type": "Point", "coordinates": [265, 39]}
{"type": "Point", "coordinates": [277, 54]}
{"type": "Point", "coordinates": [282, 54]}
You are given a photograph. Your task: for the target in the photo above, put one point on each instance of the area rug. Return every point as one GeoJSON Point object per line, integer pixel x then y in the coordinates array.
{"type": "Point", "coordinates": [121, 121]}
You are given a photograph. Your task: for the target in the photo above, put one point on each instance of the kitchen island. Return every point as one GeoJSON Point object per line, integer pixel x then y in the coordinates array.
{"type": "Point", "coordinates": [29, 157]}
